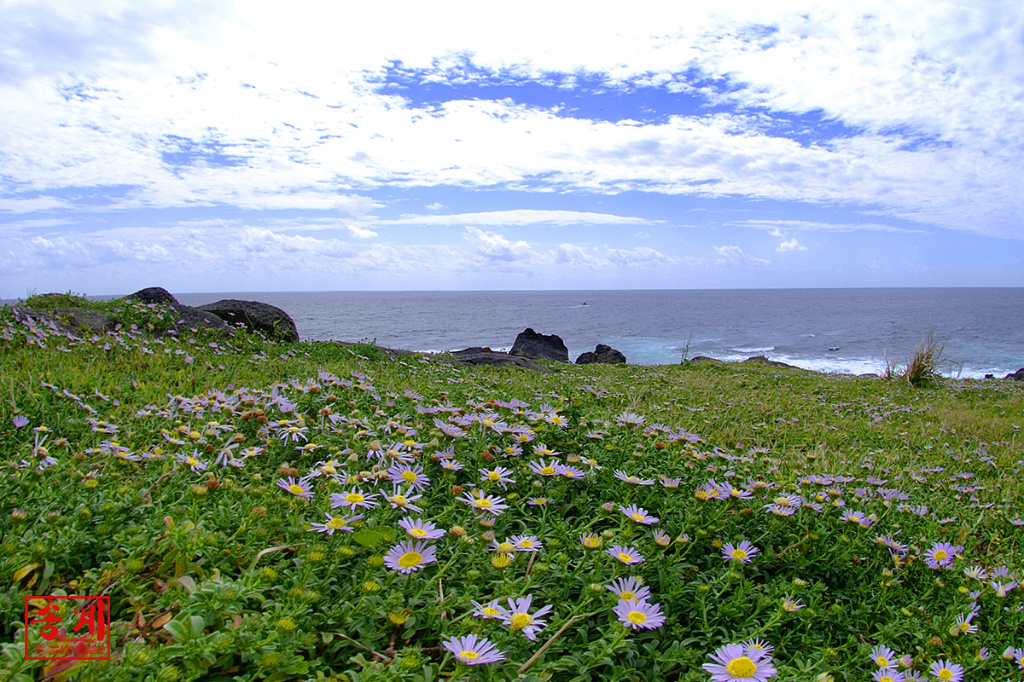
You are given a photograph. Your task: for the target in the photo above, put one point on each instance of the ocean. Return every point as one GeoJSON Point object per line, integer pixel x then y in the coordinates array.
{"type": "Point", "coordinates": [852, 331]}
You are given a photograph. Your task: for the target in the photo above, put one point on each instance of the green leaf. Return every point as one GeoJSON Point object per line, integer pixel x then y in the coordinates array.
{"type": "Point", "coordinates": [368, 538]}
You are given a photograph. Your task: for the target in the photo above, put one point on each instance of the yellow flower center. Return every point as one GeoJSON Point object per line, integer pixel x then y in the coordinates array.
{"type": "Point", "coordinates": [192, 461]}
{"type": "Point", "coordinates": [296, 489]}
{"type": "Point", "coordinates": [625, 557]}
{"type": "Point", "coordinates": [939, 556]}
{"type": "Point", "coordinates": [493, 476]}
{"type": "Point", "coordinates": [882, 662]}
{"type": "Point", "coordinates": [336, 523]}
{"type": "Point", "coordinates": [410, 559]}
{"type": "Point", "coordinates": [505, 548]}
{"type": "Point", "coordinates": [484, 503]}
{"type": "Point", "coordinates": [490, 612]}
{"type": "Point", "coordinates": [638, 617]}
{"type": "Point", "coordinates": [520, 621]}
{"type": "Point", "coordinates": [417, 532]}
{"type": "Point", "coordinates": [408, 477]}
{"type": "Point", "coordinates": [328, 469]}
{"type": "Point", "coordinates": [741, 667]}
{"type": "Point", "coordinates": [468, 655]}
{"type": "Point", "coordinates": [739, 554]}
{"type": "Point", "coordinates": [354, 498]}
{"type": "Point", "coordinates": [399, 500]}
{"type": "Point", "coordinates": [526, 543]}
{"type": "Point", "coordinates": [945, 674]}
{"type": "Point", "coordinates": [886, 678]}
{"type": "Point", "coordinates": [637, 517]}
{"type": "Point", "coordinates": [547, 471]}
{"type": "Point", "coordinates": [627, 595]}
{"type": "Point", "coordinates": [592, 542]}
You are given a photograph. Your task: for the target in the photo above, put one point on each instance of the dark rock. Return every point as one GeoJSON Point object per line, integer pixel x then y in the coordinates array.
{"type": "Point", "coordinates": [186, 318]}
{"type": "Point", "coordinates": [702, 360]}
{"type": "Point", "coordinates": [476, 356]}
{"type": "Point", "coordinates": [254, 316]}
{"type": "Point", "coordinates": [603, 354]}
{"type": "Point", "coordinates": [43, 323]}
{"type": "Point", "coordinates": [94, 321]}
{"type": "Point", "coordinates": [762, 360]}
{"type": "Point", "coordinates": [154, 295]}
{"type": "Point", "coordinates": [1016, 376]}
{"type": "Point", "coordinates": [530, 344]}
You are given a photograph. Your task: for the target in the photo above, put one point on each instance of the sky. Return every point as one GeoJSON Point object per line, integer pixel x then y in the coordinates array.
{"type": "Point", "coordinates": [309, 146]}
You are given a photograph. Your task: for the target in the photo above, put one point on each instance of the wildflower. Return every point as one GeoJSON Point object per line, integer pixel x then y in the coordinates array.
{"type": "Point", "coordinates": [630, 479]}
{"type": "Point", "coordinates": [505, 547]}
{"type": "Point", "coordinates": [526, 543]}
{"type": "Point", "coordinates": [335, 523]}
{"type": "Point", "coordinates": [976, 573]}
{"type": "Point", "coordinates": [420, 530]}
{"type": "Point", "coordinates": [671, 483]}
{"type": "Point", "coordinates": [1002, 588]}
{"type": "Point", "coordinates": [790, 605]}
{"type": "Point", "coordinates": [498, 476]}
{"type": "Point", "coordinates": [626, 555]}
{"type": "Point", "coordinates": [947, 671]}
{"type": "Point", "coordinates": [629, 419]}
{"type": "Point", "coordinates": [299, 488]}
{"type": "Point", "coordinates": [538, 501]}
{"type": "Point", "coordinates": [882, 656]}
{"type": "Point", "coordinates": [662, 538]}
{"type": "Point", "coordinates": [487, 611]}
{"type": "Point", "coordinates": [638, 514]}
{"type": "Point", "coordinates": [963, 625]}
{"type": "Point", "coordinates": [629, 588]}
{"type": "Point", "coordinates": [570, 472]}
{"type": "Point", "coordinates": [887, 675]}
{"type": "Point", "coordinates": [549, 468]}
{"type": "Point", "coordinates": [851, 516]}
{"type": "Point", "coordinates": [409, 556]}
{"type": "Point", "coordinates": [742, 552]}
{"type": "Point", "coordinates": [193, 462]}
{"type": "Point", "coordinates": [758, 646]}
{"type": "Point", "coordinates": [451, 464]}
{"type": "Point", "coordinates": [19, 421]}
{"type": "Point", "coordinates": [1018, 657]}
{"type": "Point", "coordinates": [734, 662]}
{"type": "Point", "coordinates": [639, 614]}
{"type": "Point", "coordinates": [412, 475]}
{"type": "Point", "coordinates": [517, 617]}
{"type": "Point", "coordinates": [398, 500]}
{"type": "Point", "coordinates": [484, 503]}
{"type": "Point", "coordinates": [473, 651]}
{"type": "Point", "coordinates": [590, 541]}
{"type": "Point", "coordinates": [941, 555]}
{"type": "Point", "coordinates": [353, 498]}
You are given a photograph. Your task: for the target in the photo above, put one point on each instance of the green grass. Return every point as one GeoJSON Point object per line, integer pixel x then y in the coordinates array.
{"type": "Point", "coordinates": [214, 574]}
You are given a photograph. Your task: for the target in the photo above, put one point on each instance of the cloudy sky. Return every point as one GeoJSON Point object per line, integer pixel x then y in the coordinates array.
{"type": "Point", "coordinates": [263, 146]}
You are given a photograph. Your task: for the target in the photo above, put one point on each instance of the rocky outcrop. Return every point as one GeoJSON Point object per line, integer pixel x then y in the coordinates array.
{"type": "Point", "coordinates": [154, 295]}
{"type": "Point", "coordinates": [762, 360]}
{"type": "Point", "coordinates": [530, 344]}
{"type": "Point", "coordinates": [1016, 376]}
{"type": "Point", "coordinates": [476, 356]}
{"type": "Point", "coordinates": [602, 355]}
{"type": "Point", "coordinates": [254, 316]}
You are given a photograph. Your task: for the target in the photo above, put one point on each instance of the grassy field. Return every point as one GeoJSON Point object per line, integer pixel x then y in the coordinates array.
{"type": "Point", "coordinates": [265, 511]}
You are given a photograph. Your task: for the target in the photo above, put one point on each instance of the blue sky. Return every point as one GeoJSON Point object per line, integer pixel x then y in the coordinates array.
{"type": "Point", "coordinates": [209, 147]}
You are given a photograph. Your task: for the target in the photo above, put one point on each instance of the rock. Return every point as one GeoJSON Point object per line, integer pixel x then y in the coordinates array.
{"type": "Point", "coordinates": [603, 354]}
{"type": "Point", "coordinates": [154, 295]}
{"type": "Point", "coordinates": [186, 318]}
{"type": "Point", "coordinates": [477, 356]}
{"type": "Point", "coordinates": [1016, 376]}
{"type": "Point", "coordinates": [702, 360]}
{"type": "Point", "coordinates": [254, 316]}
{"type": "Point", "coordinates": [530, 344]}
{"type": "Point", "coordinates": [762, 360]}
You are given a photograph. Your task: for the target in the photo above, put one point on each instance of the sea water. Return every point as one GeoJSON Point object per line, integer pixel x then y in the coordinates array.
{"type": "Point", "coordinates": [981, 331]}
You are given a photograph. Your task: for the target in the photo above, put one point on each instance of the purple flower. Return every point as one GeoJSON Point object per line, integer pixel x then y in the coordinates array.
{"type": "Point", "coordinates": [639, 614]}
{"type": "Point", "coordinates": [410, 556]}
{"type": "Point", "coordinates": [473, 651]}
{"type": "Point", "coordinates": [19, 421]}
{"type": "Point", "coordinates": [742, 552]}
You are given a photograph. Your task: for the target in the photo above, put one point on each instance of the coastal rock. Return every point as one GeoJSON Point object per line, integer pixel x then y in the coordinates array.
{"type": "Point", "coordinates": [604, 355]}
{"type": "Point", "coordinates": [188, 318]}
{"type": "Point", "coordinates": [154, 295]}
{"type": "Point", "coordinates": [485, 356]}
{"type": "Point", "coordinates": [762, 360]}
{"type": "Point", "coordinates": [701, 360]}
{"type": "Point", "coordinates": [254, 316]}
{"type": "Point", "coordinates": [1016, 376]}
{"type": "Point", "coordinates": [530, 344]}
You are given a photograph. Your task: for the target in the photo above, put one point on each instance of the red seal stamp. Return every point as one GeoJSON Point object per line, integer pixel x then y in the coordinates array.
{"type": "Point", "coordinates": [67, 628]}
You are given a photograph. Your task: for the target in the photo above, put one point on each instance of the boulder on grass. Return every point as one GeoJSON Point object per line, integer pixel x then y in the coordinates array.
{"type": "Point", "coordinates": [602, 355]}
{"type": "Point", "coordinates": [254, 316]}
{"type": "Point", "coordinates": [1016, 376]}
{"type": "Point", "coordinates": [530, 344]}
{"type": "Point", "coordinates": [474, 357]}
{"type": "Point", "coordinates": [154, 295]}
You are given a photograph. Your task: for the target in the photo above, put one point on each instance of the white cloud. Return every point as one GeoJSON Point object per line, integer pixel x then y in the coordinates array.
{"type": "Point", "coordinates": [490, 248]}
{"type": "Point", "coordinates": [733, 255]}
{"type": "Point", "coordinates": [639, 257]}
{"type": "Point", "coordinates": [361, 232]}
{"type": "Point", "coordinates": [518, 217]}
{"type": "Point", "coordinates": [791, 245]}
{"type": "Point", "coordinates": [775, 227]}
